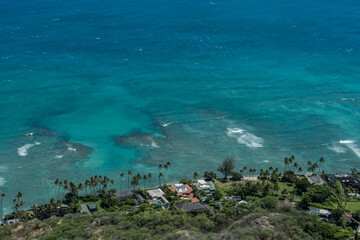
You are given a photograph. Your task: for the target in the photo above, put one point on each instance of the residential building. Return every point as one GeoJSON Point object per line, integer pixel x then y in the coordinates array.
{"type": "Point", "coordinates": [126, 195]}
{"type": "Point", "coordinates": [184, 191]}
{"type": "Point", "coordinates": [315, 179]}
{"type": "Point", "coordinates": [348, 181]}
{"type": "Point", "coordinates": [207, 186]}
{"type": "Point", "coordinates": [157, 196]}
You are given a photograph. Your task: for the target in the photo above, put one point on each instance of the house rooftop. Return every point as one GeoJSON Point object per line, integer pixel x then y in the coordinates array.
{"type": "Point", "coordinates": [191, 207]}
{"type": "Point", "coordinates": [155, 193]}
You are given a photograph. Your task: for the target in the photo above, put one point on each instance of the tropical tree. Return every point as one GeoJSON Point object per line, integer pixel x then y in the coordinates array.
{"type": "Point", "coordinates": [166, 169]}
{"type": "Point", "coordinates": [129, 174]}
{"type": "Point", "coordinates": [145, 178]}
{"type": "Point", "coordinates": [18, 196]}
{"type": "Point", "coordinates": [149, 177]}
{"type": "Point", "coordinates": [2, 197]}
{"type": "Point", "coordinates": [160, 176]}
{"type": "Point", "coordinates": [135, 182]}
{"type": "Point", "coordinates": [196, 175]}
{"type": "Point", "coordinates": [226, 166]}
{"type": "Point", "coordinates": [121, 182]}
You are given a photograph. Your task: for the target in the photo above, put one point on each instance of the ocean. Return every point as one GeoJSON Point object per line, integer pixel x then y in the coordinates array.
{"type": "Point", "coordinates": [102, 87]}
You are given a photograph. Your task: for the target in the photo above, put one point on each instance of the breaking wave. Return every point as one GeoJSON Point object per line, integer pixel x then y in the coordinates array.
{"type": "Point", "coordinates": [352, 146]}
{"type": "Point", "coordinates": [246, 138]}
{"type": "Point", "coordinates": [2, 181]}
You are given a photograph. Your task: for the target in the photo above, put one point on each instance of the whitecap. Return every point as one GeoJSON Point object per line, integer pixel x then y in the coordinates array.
{"type": "Point", "coordinates": [30, 134]}
{"type": "Point", "coordinates": [154, 144]}
{"type": "Point", "coordinates": [37, 143]}
{"type": "Point", "coordinates": [70, 148]}
{"type": "Point", "coordinates": [266, 161]}
{"type": "Point", "coordinates": [352, 146]}
{"type": "Point", "coordinates": [246, 138]}
{"type": "Point", "coordinates": [166, 124]}
{"type": "Point", "coordinates": [23, 151]}
{"type": "Point", "coordinates": [2, 181]}
{"type": "Point", "coordinates": [338, 149]}
{"type": "Point", "coordinates": [59, 156]}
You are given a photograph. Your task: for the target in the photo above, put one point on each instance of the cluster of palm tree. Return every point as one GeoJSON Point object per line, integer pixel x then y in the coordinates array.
{"type": "Point", "coordinates": [312, 167]}
{"type": "Point", "coordinates": [252, 171]}
{"type": "Point", "coordinates": [291, 164]}
{"type": "Point", "coordinates": [93, 185]}
{"type": "Point", "coordinates": [17, 204]}
{"type": "Point", "coordinates": [163, 175]}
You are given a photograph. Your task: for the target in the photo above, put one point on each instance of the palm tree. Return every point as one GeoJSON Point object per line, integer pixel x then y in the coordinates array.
{"type": "Point", "coordinates": [121, 182]}
{"type": "Point", "coordinates": [129, 174]}
{"type": "Point", "coordinates": [14, 201]}
{"type": "Point", "coordinates": [145, 178]}
{"type": "Point", "coordinates": [338, 200]}
{"type": "Point", "coordinates": [160, 176]}
{"type": "Point", "coordinates": [18, 196]}
{"type": "Point", "coordinates": [286, 162]}
{"type": "Point", "coordinates": [149, 177]}
{"type": "Point", "coordinates": [160, 167]}
{"type": "Point", "coordinates": [166, 169]}
{"type": "Point", "coordinates": [135, 182]}
{"type": "Point", "coordinates": [2, 197]}
{"type": "Point", "coordinates": [300, 170]}
{"type": "Point", "coordinates": [196, 175]}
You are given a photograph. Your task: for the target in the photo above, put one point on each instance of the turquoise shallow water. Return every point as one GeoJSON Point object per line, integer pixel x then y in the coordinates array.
{"type": "Point", "coordinates": [130, 85]}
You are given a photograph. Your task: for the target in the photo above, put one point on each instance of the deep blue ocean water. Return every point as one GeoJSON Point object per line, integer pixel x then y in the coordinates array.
{"type": "Point", "coordinates": [100, 87]}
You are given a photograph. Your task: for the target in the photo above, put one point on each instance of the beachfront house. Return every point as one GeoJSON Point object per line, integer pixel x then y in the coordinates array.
{"type": "Point", "coordinates": [157, 196]}
{"type": "Point", "coordinates": [350, 183]}
{"type": "Point", "coordinates": [184, 192]}
{"type": "Point", "coordinates": [207, 186]}
{"type": "Point", "coordinates": [315, 179]}
{"type": "Point", "coordinates": [126, 195]}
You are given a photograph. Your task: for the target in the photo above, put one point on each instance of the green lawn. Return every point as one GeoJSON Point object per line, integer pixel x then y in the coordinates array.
{"type": "Point", "coordinates": [353, 206]}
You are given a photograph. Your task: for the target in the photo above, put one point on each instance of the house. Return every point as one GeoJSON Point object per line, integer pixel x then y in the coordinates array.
{"type": "Point", "coordinates": [193, 207]}
{"type": "Point", "coordinates": [320, 212]}
{"type": "Point", "coordinates": [207, 186]}
{"type": "Point", "coordinates": [315, 179]}
{"type": "Point", "coordinates": [348, 181]}
{"type": "Point", "coordinates": [92, 207]}
{"type": "Point", "coordinates": [184, 191]}
{"type": "Point", "coordinates": [126, 195]}
{"type": "Point", "coordinates": [10, 221]}
{"type": "Point", "coordinates": [157, 196]}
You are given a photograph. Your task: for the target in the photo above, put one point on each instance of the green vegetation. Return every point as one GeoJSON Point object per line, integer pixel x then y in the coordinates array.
{"type": "Point", "coordinates": [259, 214]}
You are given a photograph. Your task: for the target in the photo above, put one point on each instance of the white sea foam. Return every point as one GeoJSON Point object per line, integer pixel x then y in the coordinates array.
{"type": "Point", "coordinates": [70, 148]}
{"type": "Point", "coordinates": [154, 144]}
{"type": "Point", "coordinates": [2, 181]}
{"type": "Point", "coordinates": [37, 143]}
{"type": "Point", "coordinates": [59, 156]}
{"type": "Point", "coordinates": [352, 146]}
{"type": "Point", "coordinates": [338, 149]}
{"type": "Point", "coordinates": [246, 138]}
{"type": "Point", "coordinates": [166, 124]}
{"type": "Point", "coordinates": [23, 151]}
{"type": "Point", "coordinates": [266, 161]}
{"type": "Point", "coordinates": [29, 134]}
